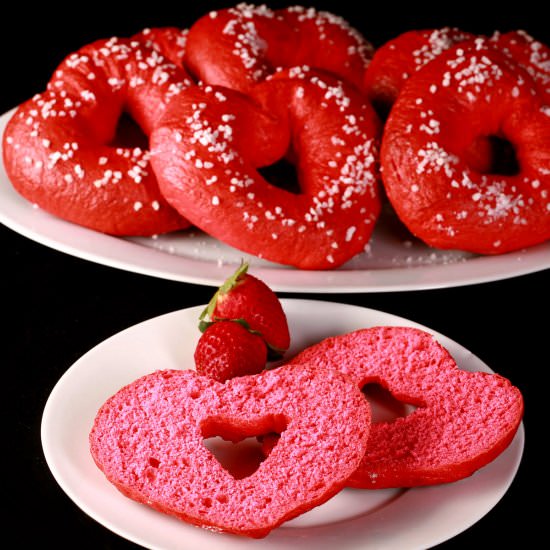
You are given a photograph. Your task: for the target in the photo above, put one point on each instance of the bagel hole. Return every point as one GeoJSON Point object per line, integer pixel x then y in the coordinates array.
{"type": "Point", "coordinates": [241, 452]}
{"type": "Point", "coordinates": [382, 106]}
{"type": "Point", "coordinates": [384, 406]}
{"type": "Point", "coordinates": [128, 134]}
{"type": "Point", "coordinates": [282, 174]}
{"type": "Point", "coordinates": [493, 154]}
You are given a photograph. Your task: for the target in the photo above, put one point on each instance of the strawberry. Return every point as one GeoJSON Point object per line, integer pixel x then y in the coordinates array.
{"type": "Point", "coordinates": [227, 349]}
{"type": "Point", "coordinates": [249, 300]}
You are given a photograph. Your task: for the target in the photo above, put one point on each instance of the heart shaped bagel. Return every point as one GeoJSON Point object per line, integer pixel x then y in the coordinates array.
{"type": "Point", "coordinates": [396, 60]}
{"type": "Point", "coordinates": [466, 152]}
{"type": "Point", "coordinates": [148, 441]}
{"type": "Point", "coordinates": [62, 149]}
{"type": "Point", "coordinates": [463, 420]}
{"type": "Point", "coordinates": [209, 147]}
{"type": "Point", "coordinates": [240, 46]}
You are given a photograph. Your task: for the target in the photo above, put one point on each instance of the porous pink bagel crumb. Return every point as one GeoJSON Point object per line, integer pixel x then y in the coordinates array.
{"type": "Point", "coordinates": [148, 441]}
{"type": "Point", "coordinates": [463, 419]}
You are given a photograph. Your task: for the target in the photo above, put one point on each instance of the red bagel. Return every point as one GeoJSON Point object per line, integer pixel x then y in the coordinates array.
{"type": "Point", "coordinates": [208, 147]}
{"type": "Point", "coordinates": [470, 93]}
{"type": "Point", "coordinates": [149, 441]}
{"type": "Point", "coordinates": [463, 420]}
{"type": "Point", "coordinates": [396, 60]}
{"type": "Point", "coordinates": [532, 55]}
{"type": "Point", "coordinates": [168, 41]}
{"type": "Point", "coordinates": [58, 147]}
{"type": "Point", "coordinates": [240, 46]}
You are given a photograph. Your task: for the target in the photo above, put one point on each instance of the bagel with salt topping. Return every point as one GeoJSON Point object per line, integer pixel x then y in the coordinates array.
{"type": "Point", "coordinates": [60, 150]}
{"type": "Point", "coordinates": [207, 149]}
{"type": "Point", "coordinates": [396, 60]}
{"type": "Point", "coordinates": [240, 46]}
{"type": "Point", "coordinates": [168, 41]}
{"type": "Point", "coordinates": [399, 58]}
{"type": "Point", "coordinates": [469, 94]}
{"type": "Point", "coordinates": [532, 55]}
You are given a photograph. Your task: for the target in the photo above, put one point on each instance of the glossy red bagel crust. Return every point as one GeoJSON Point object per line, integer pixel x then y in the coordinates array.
{"type": "Point", "coordinates": [240, 46]}
{"type": "Point", "coordinates": [468, 92]}
{"type": "Point", "coordinates": [58, 147]}
{"type": "Point", "coordinates": [532, 55]}
{"type": "Point", "coordinates": [208, 147]}
{"type": "Point", "coordinates": [396, 60]}
{"type": "Point", "coordinates": [170, 42]}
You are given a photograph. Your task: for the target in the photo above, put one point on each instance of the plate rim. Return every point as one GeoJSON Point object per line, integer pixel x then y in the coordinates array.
{"type": "Point", "coordinates": [52, 401]}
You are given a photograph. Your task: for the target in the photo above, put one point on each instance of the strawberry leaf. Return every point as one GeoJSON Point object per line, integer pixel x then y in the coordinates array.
{"type": "Point", "coordinates": [232, 280]}
{"type": "Point", "coordinates": [203, 325]}
{"type": "Point", "coordinates": [227, 285]}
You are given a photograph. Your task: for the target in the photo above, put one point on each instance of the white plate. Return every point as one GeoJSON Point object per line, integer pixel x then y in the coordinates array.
{"type": "Point", "coordinates": [355, 519]}
{"type": "Point", "coordinates": [394, 261]}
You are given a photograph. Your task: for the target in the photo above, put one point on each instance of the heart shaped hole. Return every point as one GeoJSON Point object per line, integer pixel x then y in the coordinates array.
{"type": "Point", "coordinates": [240, 459]}
{"type": "Point", "coordinates": [128, 134]}
{"type": "Point", "coordinates": [493, 154]}
{"type": "Point", "coordinates": [282, 174]}
{"type": "Point", "coordinates": [385, 407]}
{"type": "Point", "coordinates": [240, 449]}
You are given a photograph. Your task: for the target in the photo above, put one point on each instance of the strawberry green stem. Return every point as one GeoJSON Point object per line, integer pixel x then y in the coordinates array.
{"type": "Point", "coordinates": [228, 284]}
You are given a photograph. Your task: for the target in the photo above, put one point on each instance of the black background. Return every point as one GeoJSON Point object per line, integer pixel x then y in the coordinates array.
{"type": "Point", "coordinates": [56, 307]}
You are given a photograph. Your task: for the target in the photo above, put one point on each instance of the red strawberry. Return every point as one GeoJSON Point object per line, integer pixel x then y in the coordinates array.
{"type": "Point", "coordinates": [245, 298]}
{"type": "Point", "coordinates": [227, 349]}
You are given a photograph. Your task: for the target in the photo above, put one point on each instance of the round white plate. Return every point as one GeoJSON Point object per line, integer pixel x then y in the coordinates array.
{"type": "Point", "coordinates": [394, 260]}
{"type": "Point", "coordinates": [354, 519]}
